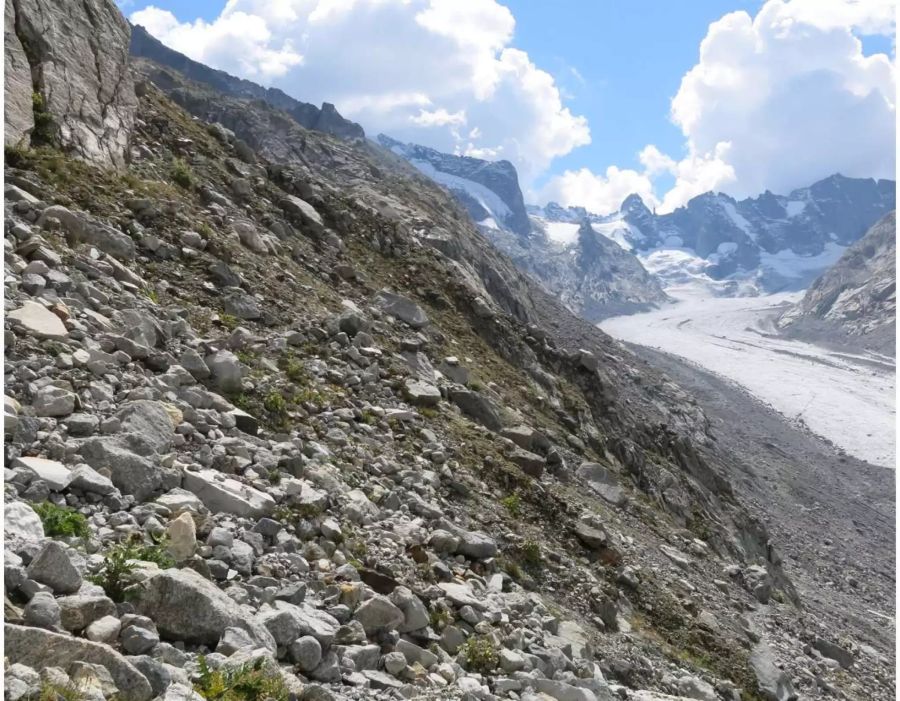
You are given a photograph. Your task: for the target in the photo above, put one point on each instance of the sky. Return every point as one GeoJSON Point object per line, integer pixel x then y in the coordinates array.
{"type": "Point", "coordinates": [590, 100]}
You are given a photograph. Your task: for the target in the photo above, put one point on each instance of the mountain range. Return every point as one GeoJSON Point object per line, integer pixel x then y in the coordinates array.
{"type": "Point", "coordinates": [729, 247]}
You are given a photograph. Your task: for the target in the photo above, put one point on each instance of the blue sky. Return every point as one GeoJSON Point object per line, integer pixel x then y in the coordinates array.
{"type": "Point", "coordinates": [575, 87]}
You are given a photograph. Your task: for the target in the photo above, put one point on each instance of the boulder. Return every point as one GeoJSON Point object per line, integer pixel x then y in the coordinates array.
{"type": "Point", "coordinates": [39, 321]}
{"type": "Point", "coordinates": [378, 614]}
{"type": "Point", "coordinates": [421, 393]}
{"type": "Point", "coordinates": [189, 608]}
{"type": "Point", "coordinates": [40, 649]}
{"type": "Point", "coordinates": [602, 481]}
{"type": "Point", "coordinates": [477, 407]}
{"type": "Point", "coordinates": [774, 684]}
{"type": "Point", "coordinates": [54, 473]}
{"type": "Point", "coordinates": [132, 462]}
{"type": "Point", "coordinates": [21, 521]}
{"type": "Point", "coordinates": [220, 493]}
{"type": "Point", "coordinates": [226, 371]}
{"type": "Point", "coordinates": [401, 308]}
{"type": "Point", "coordinates": [54, 401]}
{"type": "Point", "coordinates": [53, 567]}
{"type": "Point", "coordinates": [151, 420]}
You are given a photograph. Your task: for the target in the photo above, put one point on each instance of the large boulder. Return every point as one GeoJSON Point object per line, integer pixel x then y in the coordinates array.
{"type": "Point", "coordinates": [186, 607]}
{"type": "Point", "coordinates": [603, 482]}
{"type": "Point", "coordinates": [40, 649]}
{"type": "Point", "coordinates": [477, 407]}
{"type": "Point", "coordinates": [131, 460]}
{"type": "Point", "coordinates": [402, 308]}
{"type": "Point", "coordinates": [774, 684]}
{"type": "Point", "coordinates": [77, 56]}
{"type": "Point", "coordinates": [151, 420]}
{"type": "Point", "coordinates": [220, 493]}
{"type": "Point", "coordinates": [38, 321]}
{"type": "Point", "coordinates": [21, 521]}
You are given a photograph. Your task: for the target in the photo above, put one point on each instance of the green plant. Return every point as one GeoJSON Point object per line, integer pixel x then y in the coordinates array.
{"type": "Point", "coordinates": [61, 521]}
{"type": "Point", "coordinates": [119, 563]}
{"type": "Point", "coordinates": [249, 682]}
{"type": "Point", "coordinates": [58, 692]}
{"type": "Point", "coordinates": [294, 369]}
{"type": "Point", "coordinates": [247, 357]}
{"type": "Point", "coordinates": [181, 174]}
{"type": "Point", "coordinates": [151, 294]}
{"type": "Point", "coordinates": [531, 553]}
{"type": "Point", "coordinates": [44, 132]}
{"type": "Point", "coordinates": [440, 618]}
{"type": "Point", "coordinates": [512, 504]}
{"type": "Point", "coordinates": [274, 476]}
{"type": "Point", "coordinates": [275, 403]}
{"type": "Point", "coordinates": [480, 654]}
{"type": "Point", "coordinates": [229, 321]}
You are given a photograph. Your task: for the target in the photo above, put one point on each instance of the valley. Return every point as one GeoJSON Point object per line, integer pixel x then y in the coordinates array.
{"type": "Point", "coordinates": [846, 398]}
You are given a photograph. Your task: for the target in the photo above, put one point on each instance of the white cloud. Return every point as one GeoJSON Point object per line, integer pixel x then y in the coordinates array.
{"type": "Point", "coordinates": [774, 102]}
{"type": "Point", "coordinates": [601, 194]}
{"type": "Point", "coordinates": [426, 70]}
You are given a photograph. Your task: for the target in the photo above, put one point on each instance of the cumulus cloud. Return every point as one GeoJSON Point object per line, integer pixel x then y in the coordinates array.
{"type": "Point", "coordinates": [601, 194]}
{"type": "Point", "coordinates": [775, 102]}
{"type": "Point", "coordinates": [440, 72]}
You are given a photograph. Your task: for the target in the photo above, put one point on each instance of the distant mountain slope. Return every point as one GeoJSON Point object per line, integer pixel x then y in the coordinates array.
{"type": "Point", "coordinates": [763, 244]}
{"type": "Point", "coordinates": [489, 190]}
{"type": "Point", "coordinates": [591, 275]}
{"type": "Point", "coordinates": [327, 119]}
{"type": "Point", "coordinates": [855, 301]}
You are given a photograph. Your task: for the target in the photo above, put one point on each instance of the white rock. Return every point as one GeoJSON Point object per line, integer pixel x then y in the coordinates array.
{"type": "Point", "coordinates": [39, 321]}
{"type": "Point", "coordinates": [55, 474]}
{"type": "Point", "coordinates": [220, 493]}
{"type": "Point", "coordinates": [20, 520]}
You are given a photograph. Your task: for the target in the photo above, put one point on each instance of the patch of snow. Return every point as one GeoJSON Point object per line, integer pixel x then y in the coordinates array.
{"type": "Point", "coordinates": [835, 394]}
{"type": "Point", "coordinates": [486, 197]}
{"type": "Point", "coordinates": [561, 231]}
{"type": "Point", "coordinates": [791, 266]}
{"type": "Point", "coordinates": [739, 220]}
{"type": "Point", "coordinates": [489, 223]}
{"type": "Point", "coordinates": [616, 230]}
{"type": "Point", "coordinates": [794, 207]}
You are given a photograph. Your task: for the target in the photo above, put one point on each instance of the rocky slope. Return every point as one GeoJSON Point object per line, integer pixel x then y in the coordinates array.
{"type": "Point", "coordinates": [281, 422]}
{"type": "Point", "coordinates": [763, 244]}
{"type": "Point", "coordinates": [325, 119]}
{"type": "Point", "coordinates": [855, 302]}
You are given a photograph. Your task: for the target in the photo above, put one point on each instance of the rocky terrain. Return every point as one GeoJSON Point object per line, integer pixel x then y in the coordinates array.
{"type": "Point", "coordinates": [280, 423]}
{"type": "Point", "coordinates": [854, 303]}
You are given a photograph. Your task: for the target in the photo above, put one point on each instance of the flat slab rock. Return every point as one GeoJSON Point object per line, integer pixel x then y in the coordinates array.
{"type": "Point", "coordinates": [39, 321]}
{"type": "Point", "coordinates": [219, 493]}
{"type": "Point", "coordinates": [55, 474]}
{"type": "Point", "coordinates": [39, 649]}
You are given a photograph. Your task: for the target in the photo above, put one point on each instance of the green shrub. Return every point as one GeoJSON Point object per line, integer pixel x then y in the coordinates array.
{"type": "Point", "coordinates": [512, 504]}
{"type": "Point", "coordinates": [294, 369]}
{"type": "Point", "coordinates": [181, 174]}
{"type": "Point", "coordinates": [250, 682]}
{"type": "Point", "coordinates": [44, 132]}
{"type": "Point", "coordinates": [531, 554]}
{"type": "Point", "coordinates": [61, 521]}
{"type": "Point", "coordinates": [275, 403]}
{"type": "Point", "coordinates": [119, 563]}
{"type": "Point", "coordinates": [229, 321]}
{"type": "Point", "coordinates": [57, 692]}
{"type": "Point", "coordinates": [480, 654]}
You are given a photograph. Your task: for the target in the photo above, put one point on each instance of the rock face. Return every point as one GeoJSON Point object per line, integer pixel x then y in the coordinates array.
{"type": "Point", "coordinates": [594, 276]}
{"type": "Point", "coordinates": [79, 73]}
{"type": "Point", "coordinates": [854, 303]}
{"type": "Point", "coordinates": [327, 119]}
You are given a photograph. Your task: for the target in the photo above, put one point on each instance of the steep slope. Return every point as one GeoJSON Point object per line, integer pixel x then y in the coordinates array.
{"type": "Point", "coordinates": [764, 244]}
{"type": "Point", "coordinates": [386, 463]}
{"type": "Point", "coordinates": [855, 302]}
{"type": "Point", "coordinates": [325, 119]}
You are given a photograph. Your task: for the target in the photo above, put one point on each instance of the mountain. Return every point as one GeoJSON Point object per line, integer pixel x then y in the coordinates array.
{"type": "Point", "coordinates": [763, 244]}
{"type": "Point", "coordinates": [489, 190]}
{"type": "Point", "coordinates": [281, 423]}
{"type": "Point", "coordinates": [854, 303]}
{"type": "Point", "coordinates": [593, 277]}
{"type": "Point", "coordinates": [325, 119]}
